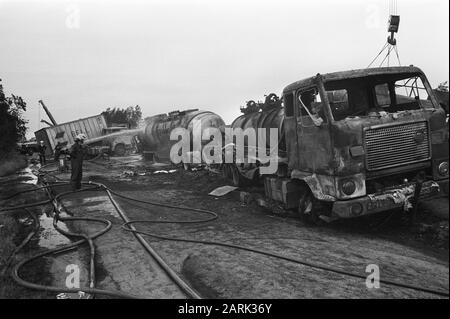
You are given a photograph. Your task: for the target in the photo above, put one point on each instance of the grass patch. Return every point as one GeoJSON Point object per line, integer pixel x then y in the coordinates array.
{"type": "Point", "coordinates": [11, 163]}
{"type": "Point", "coordinates": [8, 231]}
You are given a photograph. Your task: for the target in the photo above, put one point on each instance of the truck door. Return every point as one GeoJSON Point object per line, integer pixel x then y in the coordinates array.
{"type": "Point", "coordinates": [290, 129]}
{"type": "Point", "coordinates": [314, 145]}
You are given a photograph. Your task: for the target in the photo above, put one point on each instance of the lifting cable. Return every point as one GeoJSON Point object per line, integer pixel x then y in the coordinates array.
{"type": "Point", "coordinates": [391, 43]}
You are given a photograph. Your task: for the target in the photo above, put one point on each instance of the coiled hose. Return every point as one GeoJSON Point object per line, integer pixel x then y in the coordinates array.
{"type": "Point", "coordinates": [129, 226]}
{"type": "Point", "coordinates": [83, 238]}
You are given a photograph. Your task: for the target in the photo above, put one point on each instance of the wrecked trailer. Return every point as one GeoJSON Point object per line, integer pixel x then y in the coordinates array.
{"type": "Point", "coordinates": [356, 141]}
{"type": "Point", "coordinates": [65, 133]}
{"type": "Point", "coordinates": [155, 135]}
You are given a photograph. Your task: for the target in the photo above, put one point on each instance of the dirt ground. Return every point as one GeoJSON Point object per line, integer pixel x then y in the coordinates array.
{"type": "Point", "coordinates": [415, 256]}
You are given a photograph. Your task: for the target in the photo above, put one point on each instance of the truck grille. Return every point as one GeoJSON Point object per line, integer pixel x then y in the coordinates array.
{"type": "Point", "coordinates": [391, 146]}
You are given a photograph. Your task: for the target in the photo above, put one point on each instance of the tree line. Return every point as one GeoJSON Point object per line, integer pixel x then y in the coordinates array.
{"type": "Point", "coordinates": [130, 116]}
{"type": "Point", "coordinates": [12, 124]}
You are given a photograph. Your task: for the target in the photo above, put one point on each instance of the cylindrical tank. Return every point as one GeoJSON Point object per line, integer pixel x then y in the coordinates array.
{"type": "Point", "coordinates": [272, 118]}
{"type": "Point", "coordinates": [156, 134]}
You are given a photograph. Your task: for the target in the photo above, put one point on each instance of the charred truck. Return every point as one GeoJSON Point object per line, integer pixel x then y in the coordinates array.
{"type": "Point", "coordinates": [353, 143]}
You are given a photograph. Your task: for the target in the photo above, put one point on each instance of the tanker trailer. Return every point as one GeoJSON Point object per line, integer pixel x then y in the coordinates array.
{"type": "Point", "coordinates": [155, 136]}
{"type": "Point", "coordinates": [267, 115]}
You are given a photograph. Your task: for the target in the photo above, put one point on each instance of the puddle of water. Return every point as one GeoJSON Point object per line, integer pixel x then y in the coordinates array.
{"type": "Point", "coordinates": [24, 176]}
{"type": "Point", "coordinates": [30, 177]}
{"type": "Point", "coordinates": [93, 204]}
{"type": "Point", "coordinates": [49, 237]}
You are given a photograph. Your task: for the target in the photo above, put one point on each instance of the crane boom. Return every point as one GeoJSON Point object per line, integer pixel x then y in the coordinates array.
{"type": "Point", "coordinates": [50, 116]}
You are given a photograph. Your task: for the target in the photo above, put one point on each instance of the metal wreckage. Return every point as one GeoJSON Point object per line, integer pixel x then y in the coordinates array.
{"type": "Point", "coordinates": [353, 143]}
{"type": "Point", "coordinates": [350, 143]}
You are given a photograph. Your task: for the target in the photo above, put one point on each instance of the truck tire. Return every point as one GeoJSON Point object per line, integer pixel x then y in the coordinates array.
{"type": "Point", "coordinates": [310, 208]}
{"type": "Point", "coordinates": [119, 150]}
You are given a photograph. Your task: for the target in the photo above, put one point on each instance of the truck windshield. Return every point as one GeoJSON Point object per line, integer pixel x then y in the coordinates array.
{"type": "Point", "coordinates": [370, 96]}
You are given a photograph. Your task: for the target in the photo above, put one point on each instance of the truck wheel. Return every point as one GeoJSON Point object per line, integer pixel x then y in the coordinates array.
{"type": "Point", "coordinates": [236, 176]}
{"type": "Point", "coordinates": [310, 208]}
{"type": "Point", "coordinates": [119, 150]}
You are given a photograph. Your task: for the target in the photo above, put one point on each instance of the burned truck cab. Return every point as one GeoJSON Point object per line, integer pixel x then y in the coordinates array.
{"type": "Point", "coordinates": [358, 140]}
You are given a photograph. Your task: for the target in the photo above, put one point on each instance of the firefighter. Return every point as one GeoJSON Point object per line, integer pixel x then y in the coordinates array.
{"type": "Point", "coordinates": [41, 150]}
{"type": "Point", "coordinates": [60, 157]}
{"type": "Point", "coordinates": [77, 152]}
{"type": "Point", "coordinates": [58, 149]}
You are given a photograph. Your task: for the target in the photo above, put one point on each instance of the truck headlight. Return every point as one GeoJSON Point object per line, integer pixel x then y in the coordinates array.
{"type": "Point", "coordinates": [348, 187]}
{"type": "Point", "coordinates": [443, 168]}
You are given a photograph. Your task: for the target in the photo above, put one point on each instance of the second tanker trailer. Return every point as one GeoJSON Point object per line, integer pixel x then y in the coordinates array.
{"type": "Point", "coordinates": [155, 136]}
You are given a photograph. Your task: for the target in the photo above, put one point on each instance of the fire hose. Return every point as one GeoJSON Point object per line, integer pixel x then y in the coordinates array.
{"type": "Point", "coordinates": [129, 226]}
{"type": "Point", "coordinates": [72, 246]}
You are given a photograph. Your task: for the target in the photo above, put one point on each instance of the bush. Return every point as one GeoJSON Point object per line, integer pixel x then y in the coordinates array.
{"type": "Point", "coordinates": [12, 124]}
{"type": "Point", "coordinates": [11, 162]}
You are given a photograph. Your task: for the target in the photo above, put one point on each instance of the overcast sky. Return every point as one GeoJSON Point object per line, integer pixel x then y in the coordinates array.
{"type": "Point", "coordinates": [81, 57]}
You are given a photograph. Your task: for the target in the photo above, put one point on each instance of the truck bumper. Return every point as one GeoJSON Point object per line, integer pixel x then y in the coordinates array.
{"type": "Point", "coordinates": [392, 198]}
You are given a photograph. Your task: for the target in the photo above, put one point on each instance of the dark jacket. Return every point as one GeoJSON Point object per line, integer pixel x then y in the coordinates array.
{"type": "Point", "coordinates": [77, 152]}
{"type": "Point", "coordinates": [41, 149]}
{"type": "Point", "coordinates": [76, 161]}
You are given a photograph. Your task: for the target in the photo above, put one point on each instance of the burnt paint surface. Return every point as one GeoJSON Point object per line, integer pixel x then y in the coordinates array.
{"type": "Point", "coordinates": [156, 134]}
{"type": "Point", "coordinates": [349, 133]}
{"type": "Point", "coordinates": [325, 151]}
{"type": "Point", "coordinates": [273, 118]}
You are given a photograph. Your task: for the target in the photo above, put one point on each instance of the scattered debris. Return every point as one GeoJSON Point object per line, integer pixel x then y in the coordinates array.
{"type": "Point", "coordinates": [127, 173]}
{"type": "Point", "coordinates": [222, 191]}
{"type": "Point", "coordinates": [165, 172]}
{"type": "Point", "coordinates": [245, 198]}
{"type": "Point", "coordinates": [79, 295]}
{"type": "Point", "coordinates": [262, 203]}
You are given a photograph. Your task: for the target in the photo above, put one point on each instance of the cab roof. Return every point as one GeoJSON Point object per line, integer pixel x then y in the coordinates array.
{"type": "Point", "coordinates": [359, 73]}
